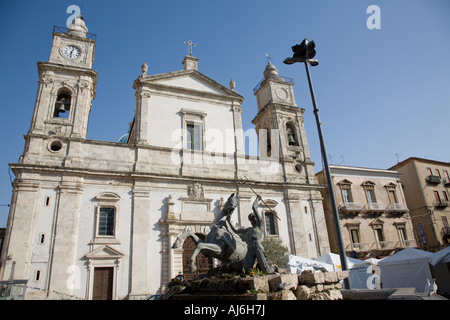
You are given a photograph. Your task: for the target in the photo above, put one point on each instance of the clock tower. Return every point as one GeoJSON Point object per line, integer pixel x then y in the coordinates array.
{"type": "Point", "coordinates": [280, 126]}
{"type": "Point", "coordinates": [66, 88]}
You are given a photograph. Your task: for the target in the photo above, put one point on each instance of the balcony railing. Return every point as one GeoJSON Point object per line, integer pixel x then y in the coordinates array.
{"type": "Point", "coordinates": [59, 29]}
{"type": "Point", "coordinates": [382, 245]}
{"type": "Point", "coordinates": [350, 207]}
{"type": "Point", "coordinates": [445, 232]}
{"type": "Point", "coordinates": [375, 207]}
{"type": "Point", "coordinates": [433, 179]}
{"type": "Point", "coordinates": [397, 207]}
{"type": "Point", "coordinates": [440, 204]}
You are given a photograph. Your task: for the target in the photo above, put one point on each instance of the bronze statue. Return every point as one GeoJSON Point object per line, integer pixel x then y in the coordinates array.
{"type": "Point", "coordinates": [253, 236]}
{"type": "Point", "coordinates": [221, 242]}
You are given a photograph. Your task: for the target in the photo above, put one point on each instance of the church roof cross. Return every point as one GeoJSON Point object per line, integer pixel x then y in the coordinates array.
{"type": "Point", "coordinates": [190, 44]}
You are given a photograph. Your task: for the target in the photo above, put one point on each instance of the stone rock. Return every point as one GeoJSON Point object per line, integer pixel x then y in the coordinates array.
{"type": "Point", "coordinates": [310, 277]}
{"type": "Point", "coordinates": [304, 292]}
{"type": "Point", "coordinates": [331, 277]}
{"type": "Point", "coordinates": [332, 286]}
{"type": "Point", "coordinates": [287, 294]}
{"type": "Point", "coordinates": [342, 275]}
{"type": "Point", "coordinates": [254, 283]}
{"type": "Point", "coordinates": [283, 281]}
{"type": "Point", "coordinates": [335, 295]}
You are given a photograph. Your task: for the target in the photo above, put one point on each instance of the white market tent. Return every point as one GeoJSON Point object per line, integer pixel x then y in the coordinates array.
{"type": "Point", "coordinates": [359, 270]}
{"type": "Point", "coordinates": [442, 256]}
{"type": "Point", "coordinates": [297, 265]}
{"type": "Point", "coordinates": [407, 268]}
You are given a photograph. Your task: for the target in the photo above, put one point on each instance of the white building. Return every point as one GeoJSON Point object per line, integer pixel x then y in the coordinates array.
{"type": "Point", "coordinates": [96, 220]}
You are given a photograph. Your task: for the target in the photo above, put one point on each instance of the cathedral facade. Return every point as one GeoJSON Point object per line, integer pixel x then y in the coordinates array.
{"type": "Point", "coordinates": [96, 220]}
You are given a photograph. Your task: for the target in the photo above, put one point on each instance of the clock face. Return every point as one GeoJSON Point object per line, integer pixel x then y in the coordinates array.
{"type": "Point", "coordinates": [282, 93]}
{"type": "Point", "coordinates": [72, 52]}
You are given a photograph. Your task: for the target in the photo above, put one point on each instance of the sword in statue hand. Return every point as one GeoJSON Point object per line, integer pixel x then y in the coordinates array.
{"type": "Point", "coordinates": [245, 182]}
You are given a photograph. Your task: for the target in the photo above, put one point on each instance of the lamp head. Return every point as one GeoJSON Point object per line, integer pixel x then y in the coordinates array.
{"type": "Point", "coordinates": [303, 52]}
{"type": "Point", "coordinates": [313, 62]}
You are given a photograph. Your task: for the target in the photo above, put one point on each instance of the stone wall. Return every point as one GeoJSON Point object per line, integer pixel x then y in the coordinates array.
{"type": "Point", "coordinates": [307, 286]}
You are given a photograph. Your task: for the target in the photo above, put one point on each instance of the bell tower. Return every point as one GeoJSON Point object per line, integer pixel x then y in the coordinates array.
{"type": "Point", "coordinates": [66, 87]}
{"type": "Point", "coordinates": [279, 124]}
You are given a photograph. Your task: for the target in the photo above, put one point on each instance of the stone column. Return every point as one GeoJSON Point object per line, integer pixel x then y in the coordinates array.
{"type": "Point", "coordinates": [142, 115]}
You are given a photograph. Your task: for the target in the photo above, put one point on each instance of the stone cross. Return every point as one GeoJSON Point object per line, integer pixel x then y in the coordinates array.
{"type": "Point", "coordinates": [190, 44]}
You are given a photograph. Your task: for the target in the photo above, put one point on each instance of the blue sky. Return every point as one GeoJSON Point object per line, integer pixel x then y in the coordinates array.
{"type": "Point", "coordinates": [381, 93]}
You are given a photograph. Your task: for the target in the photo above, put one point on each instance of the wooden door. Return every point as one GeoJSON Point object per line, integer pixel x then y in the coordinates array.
{"type": "Point", "coordinates": [103, 283]}
{"type": "Point", "coordinates": [203, 263]}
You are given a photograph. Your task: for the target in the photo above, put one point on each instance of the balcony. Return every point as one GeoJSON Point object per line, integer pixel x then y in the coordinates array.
{"type": "Point", "coordinates": [374, 207]}
{"type": "Point", "coordinates": [433, 179]}
{"type": "Point", "coordinates": [371, 246]}
{"type": "Point", "coordinates": [398, 208]}
{"type": "Point", "coordinates": [405, 243]}
{"type": "Point", "coordinates": [440, 204]}
{"type": "Point", "coordinates": [350, 207]}
{"type": "Point", "coordinates": [445, 232]}
{"type": "Point", "coordinates": [382, 245]}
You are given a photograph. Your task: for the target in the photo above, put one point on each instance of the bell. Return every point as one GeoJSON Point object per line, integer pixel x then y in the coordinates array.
{"type": "Point", "coordinates": [62, 105]}
{"type": "Point", "coordinates": [61, 108]}
{"type": "Point", "coordinates": [291, 139]}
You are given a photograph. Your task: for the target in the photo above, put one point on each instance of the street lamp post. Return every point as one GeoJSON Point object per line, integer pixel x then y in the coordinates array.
{"type": "Point", "coordinates": [305, 53]}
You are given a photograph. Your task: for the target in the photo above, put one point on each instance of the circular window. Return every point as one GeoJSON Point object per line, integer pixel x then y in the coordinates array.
{"type": "Point", "coordinates": [55, 146]}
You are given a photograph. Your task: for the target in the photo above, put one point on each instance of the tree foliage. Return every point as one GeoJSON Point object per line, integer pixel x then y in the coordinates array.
{"type": "Point", "coordinates": [276, 252]}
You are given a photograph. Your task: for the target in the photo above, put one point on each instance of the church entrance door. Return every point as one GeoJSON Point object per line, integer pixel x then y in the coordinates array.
{"type": "Point", "coordinates": [103, 283]}
{"type": "Point", "coordinates": [203, 263]}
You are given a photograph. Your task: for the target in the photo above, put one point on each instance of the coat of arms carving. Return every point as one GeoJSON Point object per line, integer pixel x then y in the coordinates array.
{"type": "Point", "coordinates": [195, 191]}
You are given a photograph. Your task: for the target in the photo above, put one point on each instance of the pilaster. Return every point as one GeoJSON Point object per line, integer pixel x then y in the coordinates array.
{"type": "Point", "coordinates": [140, 268]}
{"type": "Point", "coordinates": [65, 241]}
{"type": "Point", "coordinates": [19, 244]}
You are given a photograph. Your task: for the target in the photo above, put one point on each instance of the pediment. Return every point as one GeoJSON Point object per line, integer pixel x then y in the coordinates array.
{"type": "Point", "coordinates": [107, 196]}
{"type": "Point", "coordinates": [270, 203]}
{"type": "Point", "coordinates": [376, 222]}
{"type": "Point", "coordinates": [345, 181]}
{"type": "Point", "coordinates": [190, 80]}
{"type": "Point", "coordinates": [105, 252]}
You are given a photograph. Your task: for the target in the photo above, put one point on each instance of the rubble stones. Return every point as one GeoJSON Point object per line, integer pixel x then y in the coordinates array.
{"type": "Point", "coordinates": [307, 286]}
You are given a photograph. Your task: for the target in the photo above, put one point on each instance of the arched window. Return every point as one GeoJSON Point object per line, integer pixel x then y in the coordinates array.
{"type": "Point", "coordinates": [291, 135]}
{"type": "Point", "coordinates": [62, 104]}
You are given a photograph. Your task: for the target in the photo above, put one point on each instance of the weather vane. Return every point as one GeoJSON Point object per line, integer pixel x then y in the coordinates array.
{"type": "Point", "coordinates": [190, 44]}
